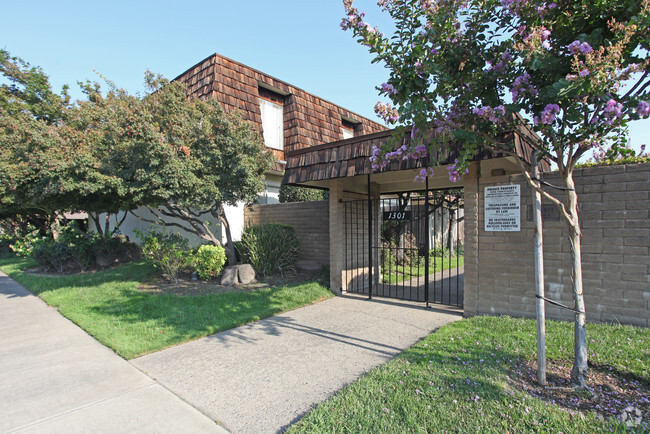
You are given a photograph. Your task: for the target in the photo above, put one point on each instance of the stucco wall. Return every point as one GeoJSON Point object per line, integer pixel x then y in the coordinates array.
{"type": "Point", "coordinates": [613, 203]}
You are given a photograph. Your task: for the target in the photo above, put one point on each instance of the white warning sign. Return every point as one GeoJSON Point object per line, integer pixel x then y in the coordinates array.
{"type": "Point", "coordinates": [502, 208]}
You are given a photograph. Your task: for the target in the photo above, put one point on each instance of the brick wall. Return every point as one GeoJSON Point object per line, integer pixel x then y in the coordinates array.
{"type": "Point", "coordinates": [614, 203]}
{"type": "Point", "coordinates": [310, 221]}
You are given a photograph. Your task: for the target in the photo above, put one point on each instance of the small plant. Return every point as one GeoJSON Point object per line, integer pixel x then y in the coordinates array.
{"type": "Point", "coordinates": [23, 246]}
{"type": "Point", "coordinates": [271, 248]}
{"type": "Point", "coordinates": [209, 261]}
{"type": "Point", "coordinates": [168, 252]}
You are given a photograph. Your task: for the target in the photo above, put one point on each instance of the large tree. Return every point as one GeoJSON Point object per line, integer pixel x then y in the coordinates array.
{"type": "Point", "coordinates": [467, 70]}
{"type": "Point", "coordinates": [180, 157]}
{"type": "Point", "coordinates": [224, 161]}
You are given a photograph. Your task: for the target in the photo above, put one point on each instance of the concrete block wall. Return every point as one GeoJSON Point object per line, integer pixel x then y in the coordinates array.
{"type": "Point", "coordinates": [614, 203]}
{"type": "Point", "coordinates": [310, 221]}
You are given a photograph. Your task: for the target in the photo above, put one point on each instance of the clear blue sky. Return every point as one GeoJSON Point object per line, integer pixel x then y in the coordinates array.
{"type": "Point", "coordinates": [298, 41]}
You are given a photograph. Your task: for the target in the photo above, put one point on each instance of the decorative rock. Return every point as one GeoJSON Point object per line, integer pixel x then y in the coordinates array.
{"type": "Point", "coordinates": [229, 276]}
{"type": "Point", "coordinates": [246, 273]}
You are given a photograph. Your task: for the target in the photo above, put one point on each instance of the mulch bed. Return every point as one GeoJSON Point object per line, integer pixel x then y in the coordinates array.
{"type": "Point", "coordinates": [608, 393]}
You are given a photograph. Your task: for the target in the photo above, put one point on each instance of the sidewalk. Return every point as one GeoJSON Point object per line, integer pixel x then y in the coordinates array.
{"type": "Point", "coordinates": [56, 378]}
{"type": "Point", "coordinates": [264, 376]}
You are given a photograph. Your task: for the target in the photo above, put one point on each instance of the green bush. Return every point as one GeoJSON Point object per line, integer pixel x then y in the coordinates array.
{"type": "Point", "coordinates": [5, 245]}
{"type": "Point", "coordinates": [49, 254]}
{"type": "Point", "coordinates": [290, 193]}
{"type": "Point", "coordinates": [169, 252]}
{"type": "Point", "coordinates": [270, 247]}
{"type": "Point", "coordinates": [23, 246]}
{"type": "Point", "coordinates": [209, 261]}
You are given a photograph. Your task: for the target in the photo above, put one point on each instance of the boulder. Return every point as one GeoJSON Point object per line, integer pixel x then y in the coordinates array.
{"type": "Point", "coordinates": [246, 273]}
{"type": "Point", "coordinates": [229, 276]}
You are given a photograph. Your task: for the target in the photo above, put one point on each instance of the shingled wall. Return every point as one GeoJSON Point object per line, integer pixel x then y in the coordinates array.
{"type": "Point", "coordinates": [308, 119]}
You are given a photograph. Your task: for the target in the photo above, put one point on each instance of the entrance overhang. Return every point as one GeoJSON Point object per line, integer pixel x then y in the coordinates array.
{"type": "Point", "coordinates": [349, 161]}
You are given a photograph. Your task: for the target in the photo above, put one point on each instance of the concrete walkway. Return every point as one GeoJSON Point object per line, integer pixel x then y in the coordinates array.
{"type": "Point", "coordinates": [56, 378]}
{"type": "Point", "coordinates": [264, 376]}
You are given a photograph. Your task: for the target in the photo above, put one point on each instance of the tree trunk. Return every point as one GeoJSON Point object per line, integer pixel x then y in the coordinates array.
{"type": "Point", "coordinates": [107, 225]}
{"type": "Point", "coordinates": [98, 226]}
{"type": "Point", "coordinates": [579, 371]}
{"type": "Point", "coordinates": [230, 247]}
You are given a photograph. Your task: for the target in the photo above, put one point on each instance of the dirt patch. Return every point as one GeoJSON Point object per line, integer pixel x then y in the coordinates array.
{"type": "Point", "coordinates": [185, 286]}
{"type": "Point", "coordinates": [608, 393]}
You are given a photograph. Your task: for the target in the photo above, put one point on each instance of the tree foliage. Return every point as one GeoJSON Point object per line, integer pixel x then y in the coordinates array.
{"type": "Point", "coordinates": [576, 72]}
{"type": "Point", "coordinates": [290, 193]}
{"type": "Point", "coordinates": [181, 157]}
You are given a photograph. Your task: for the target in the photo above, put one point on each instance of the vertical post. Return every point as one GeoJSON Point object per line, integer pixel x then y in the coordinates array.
{"type": "Point", "coordinates": [369, 240]}
{"type": "Point", "coordinates": [426, 246]}
{"type": "Point", "coordinates": [539, 278]}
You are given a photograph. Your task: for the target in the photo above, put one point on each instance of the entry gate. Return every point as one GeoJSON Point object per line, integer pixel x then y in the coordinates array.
{"type": "Point", "coordinates": [406, 246]}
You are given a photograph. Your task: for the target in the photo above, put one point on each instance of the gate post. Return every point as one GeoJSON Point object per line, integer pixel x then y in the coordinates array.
{"type": "Point", "coordinates": [337, 237]}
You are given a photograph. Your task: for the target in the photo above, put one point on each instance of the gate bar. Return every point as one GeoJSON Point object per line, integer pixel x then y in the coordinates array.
{"type": "Point", "coordinates": [426, 246]}
{"type": "Point", "coordinates": [369, 241]}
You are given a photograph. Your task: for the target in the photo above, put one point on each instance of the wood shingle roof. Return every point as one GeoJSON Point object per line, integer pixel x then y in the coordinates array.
{"type": "Point", "coordinates": [308, 120]}
{"type": "Point", "coordinates": [351, 157]}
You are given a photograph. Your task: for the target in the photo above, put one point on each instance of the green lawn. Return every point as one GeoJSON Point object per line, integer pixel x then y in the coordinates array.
{"type": "Point", "coordinates": [392, 273]}
{"type": "Point", "coordinates": [457, 380]}
{"type": "Point", "coordinates": [109, 306]}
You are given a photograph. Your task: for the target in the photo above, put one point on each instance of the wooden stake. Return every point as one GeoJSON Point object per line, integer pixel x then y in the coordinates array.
{"type": "Point", "coordinates": [539, 279]}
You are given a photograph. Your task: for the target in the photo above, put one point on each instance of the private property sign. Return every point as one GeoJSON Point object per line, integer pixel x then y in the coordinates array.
{"type": "Point", "coordinates": [502, 208]}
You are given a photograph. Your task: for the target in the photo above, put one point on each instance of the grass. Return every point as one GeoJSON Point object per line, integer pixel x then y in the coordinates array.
{"type": "Point", "coordinates": [392, 273]}
{"type": "Point", "coordinates": [456, 380]}
{"type": "Point", "coordinates": [109, 306]}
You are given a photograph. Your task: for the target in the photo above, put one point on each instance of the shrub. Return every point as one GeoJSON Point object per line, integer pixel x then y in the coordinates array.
{"type": "Point", "coordinates": [290, 193]}
{"type": "Point", "coordinates": [169, 252]}
{"type": "Point", "coordinates": [77, 245]}
{"type": "Point", "coordinates": [49, 254]}
{"type": "Point", "coordinates": [270, 247]}
{"type": "Point", "coordinates": [23, 246]}
{"type": "Point", "coordinates": [209, 261]}
{"type": "Point", "coordinates": [5, 245]}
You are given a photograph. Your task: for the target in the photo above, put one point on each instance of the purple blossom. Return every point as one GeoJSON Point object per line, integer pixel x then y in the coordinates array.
{"type": "Point", "coordinates": [545, 34]}
{"type": "Point", "coordinates": [455, 175]}
{"type": "Point", "coordinates": [552, 6]}
{"type": "Point", "coordinates": [549, 113]}
{"type": "Point", "coordinates": [574, 47]}
{"type": "Point", "coordinates": [585, 48]}
{"type": "Point", "coordinates": [613, 109]}
{"type": "Point", "coordinates": [388, 89]}
{"type": "Point", "coordinates": [643, 109]}
{"type": "Point", "coordinates": [424, 173]}
{"type": "Point", "coordinates": [584, 73]}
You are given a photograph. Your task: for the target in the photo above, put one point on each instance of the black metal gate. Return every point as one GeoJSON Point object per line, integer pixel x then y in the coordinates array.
{"type": "Point", "coordinates": [407, 246]}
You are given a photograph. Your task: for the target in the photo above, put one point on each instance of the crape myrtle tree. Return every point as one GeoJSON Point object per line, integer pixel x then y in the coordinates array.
{"type": "Point", "coordinates": [465, 71]}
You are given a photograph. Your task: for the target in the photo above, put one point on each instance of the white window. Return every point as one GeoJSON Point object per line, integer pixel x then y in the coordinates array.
{"type": "Point", "coordinates": [272, 124]}
{"type": "Point", "coordinates": [347, 133]}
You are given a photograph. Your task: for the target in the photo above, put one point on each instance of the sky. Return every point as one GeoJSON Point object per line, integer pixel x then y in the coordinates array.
{"type": "Point", "coordinates": [297, 41]}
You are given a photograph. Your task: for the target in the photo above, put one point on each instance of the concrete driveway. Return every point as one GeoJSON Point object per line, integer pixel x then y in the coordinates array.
{"type": "Point", "coordinates": [264, 376]}
{"type": "Point", "coordinates": [55, 378]}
